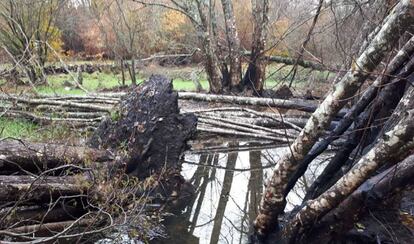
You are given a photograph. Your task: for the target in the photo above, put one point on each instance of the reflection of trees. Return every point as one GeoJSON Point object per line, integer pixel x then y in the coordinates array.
{"type": "Point", "coordinates": [206, 173]}
{"type": "Point", "coordinates": [205, 176]}
{"type": "Point", "coordinates": [255, 184]}
{"type": "Point", "coordinates": [224, 197]}
{"type": "Point", "coordinates": [196, 181]}
{"type": "Point", "coordinates": [253, 193]}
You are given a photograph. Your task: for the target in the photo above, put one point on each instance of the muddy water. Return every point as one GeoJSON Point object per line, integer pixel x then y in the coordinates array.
{"type": "Point", "coordinates": [228, 191]}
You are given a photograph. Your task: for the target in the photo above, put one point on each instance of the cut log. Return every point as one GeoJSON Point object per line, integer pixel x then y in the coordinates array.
{"type": "Point", "coordinates": [35, 102]}
{"type": "Point", "coordinates": [23, 216]}
{"type": "Point", "coordinates": [45, 229]}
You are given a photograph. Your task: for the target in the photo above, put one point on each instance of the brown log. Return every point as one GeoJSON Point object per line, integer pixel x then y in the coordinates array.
{"type": "Point", "coordinates": [19, 155]}
{"type": "Point", "coordinates": [45, 229]}
{"type": "Point", "coordinates": [25, 188]}
{"type": "Point", "coordinates": [19, 216]}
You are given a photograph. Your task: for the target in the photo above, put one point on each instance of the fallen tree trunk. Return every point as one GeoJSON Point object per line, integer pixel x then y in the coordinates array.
{"type": "Point", "coordinates": [300, 105]}
{"type": "Point", "coordinates": [17, 155]}
{"type": "Point", "coordinates": [273, 202]}
{"type": "Point", "coordinates": [291, 61]}
{"type": "Point", "coordinates": [393, 147]}
{"type": "Point", "coordinates": [331, 227]}
{"type": "Point", "coordinates": [146, 139]}
{"type": "Point", "coordinates": [23, 216]}
{"type": "Point", "coordinates": [26, 189]}
{"type": "Point", "coordinates": [35, 102]}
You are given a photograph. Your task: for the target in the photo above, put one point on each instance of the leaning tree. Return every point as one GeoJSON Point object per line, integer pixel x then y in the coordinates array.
{"type": "Point", "coordinates": [372, 167]}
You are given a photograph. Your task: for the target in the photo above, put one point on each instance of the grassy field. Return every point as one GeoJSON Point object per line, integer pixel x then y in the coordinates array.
{"type": "Point", "coordinates": [62, 85]}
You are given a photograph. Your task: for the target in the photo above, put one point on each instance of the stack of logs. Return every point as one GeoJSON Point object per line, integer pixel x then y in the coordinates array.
{"type": "Point", "coordinates": [87, 111]}
{"type": "Point", "coordinates": [52, 193]}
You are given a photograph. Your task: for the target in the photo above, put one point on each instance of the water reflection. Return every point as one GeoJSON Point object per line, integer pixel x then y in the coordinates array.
{"type": "Point", "coordinates": [228, 191]}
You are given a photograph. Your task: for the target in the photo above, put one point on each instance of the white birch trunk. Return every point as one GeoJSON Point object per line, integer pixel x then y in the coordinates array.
{"type": "Point", "coordinates": [273, 201]}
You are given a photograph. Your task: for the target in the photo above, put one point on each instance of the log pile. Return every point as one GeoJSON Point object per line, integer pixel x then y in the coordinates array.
{"type": "Point", "coordinates": [53, 193]}
{"type": "Point", "coordinates": [236, 119]}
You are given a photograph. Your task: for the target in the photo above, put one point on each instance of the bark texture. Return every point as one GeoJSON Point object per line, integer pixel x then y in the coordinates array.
{"type": "Point", "coordinates": [37, 157]}
{"type": "Point", "coordinates": [149, 129]}
{"type": "Point", "coordinates": [388, 150]}
{"type": "Point", "coordinates": [255, 73]}
{"type": "Point", "coordinates": [273, 201]}
{"type": "Point", "coordinates": [233, 43]}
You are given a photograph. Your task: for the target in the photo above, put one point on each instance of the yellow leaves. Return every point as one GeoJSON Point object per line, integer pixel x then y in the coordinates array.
{"type": "Point", "coordinates": [276, 31]}
{"type": "Point", "coordinates": [172, 21]}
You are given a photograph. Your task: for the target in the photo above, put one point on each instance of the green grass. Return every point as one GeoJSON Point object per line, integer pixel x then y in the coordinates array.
{"type": "Point", "coordinates": [23, 129]}
{"type": "Point", "coordinates": [185, 85]}
{"type": "Point", "coordinates": [17, 128]}
{"type": "Point", "coordinates": [59, 84]}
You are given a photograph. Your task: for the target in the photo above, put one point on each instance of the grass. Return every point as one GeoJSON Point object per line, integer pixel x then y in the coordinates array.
{"type": "Point", "coordinates": [23, 129]}
{"type": "Point", "coordinates": [61, 85]}
{"type": "Point", "coordinates": [16, 128]}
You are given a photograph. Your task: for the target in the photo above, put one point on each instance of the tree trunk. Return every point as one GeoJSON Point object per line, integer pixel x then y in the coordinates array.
{"type": "Point", "coordinates": [367, 195]}
{"type": "Point", "coordinates": [273, 201]}
{"type": "Point", "coordinates": [36, 157]}
{"type": "Point", "coordinates": [300, 105]}
{"type": "Point", "coordinates": [26, 189]}
{"type": "Point", "coordinates": [233, 44]}
{"type": "Point", "coordinates": [122, 72]}
{"type": "Point", "coordinates": [256, 71]}
{"type": "Point", "coordinates": [208, 43]}
{"type": "Point", "coordinates": [393, 147]}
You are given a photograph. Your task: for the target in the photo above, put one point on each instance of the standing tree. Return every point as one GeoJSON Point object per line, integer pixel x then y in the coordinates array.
{"type": "Point", "coordinates": [223, 58]}
{"type": "Point", "coordinates": [255, 73]}
{"type": "Point", "coordinates": [26, 28]}
{"type": "Point", "coordinates": [122, 23]}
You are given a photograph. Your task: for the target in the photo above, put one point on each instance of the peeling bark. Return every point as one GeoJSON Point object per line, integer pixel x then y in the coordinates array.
{"type": "Point", "coordinates": [273, 201]}
{"type": "Point", "coordinates": [332, 226]}
{"type": "Point", "coordinates": [387, 150]}
{"type": "Point", "coordinates": [255, 73]}
{"type": "Point", "coordinates": [233, 43]}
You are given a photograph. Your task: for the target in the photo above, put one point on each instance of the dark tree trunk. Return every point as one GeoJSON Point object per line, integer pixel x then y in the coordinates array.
{"type": "Point", "coordinates": [256, 71]}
